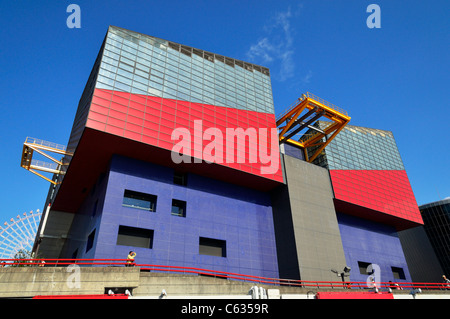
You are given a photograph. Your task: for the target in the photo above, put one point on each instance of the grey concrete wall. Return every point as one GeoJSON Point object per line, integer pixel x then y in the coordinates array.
{"type": "Point", "coordinates": [314, 224]}
{"type": "Point", "coordinates": [55, 230]}
{"type": "Point", "coordinates": [25, 282]}
{"type": "Point", "coordinates": [178, 285]}
{"type": "Point", "coordinates": [32, 281]}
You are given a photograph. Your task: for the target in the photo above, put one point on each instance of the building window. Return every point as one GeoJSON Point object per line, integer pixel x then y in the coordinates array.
{"type": "Point", "coordinates": [94, 210]}
{"type": "Point", "coordinates": [180, 178]}
{"type": "Point", "coordinates": [363, 268]}
{"type": "Point", "coordinates": [90, 241]}
{"type": "Point", "coordinates": [139, 200]}
{"type": "Point", "coordinates": [136, 237]}
{"type": "Point", "coordinates": [212, 247]}
{"type": "Point", "coordinates": [178, 208]}
{"type": "Point", "coordinates": [398, 273]}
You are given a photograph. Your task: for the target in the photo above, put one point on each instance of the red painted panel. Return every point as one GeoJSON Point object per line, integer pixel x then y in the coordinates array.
{"type": "Point", "coordinates": [136, 113]}
{"type": "Point", "coordinates": [98, 117]}
{"type": "Point", "coordinates": [113, 130]}
{"type": "Point", "coordinates": [101, 101]}
{"type": "Point", "coordinates": [104, 94]}
{"type": "Point", "coordinates": [118, 296]}
{"type": "Point", "coordinates": [139, 99]}
{"type": "Point", "coordinates": [116, 122]}
{"type": "Point", "coordinates": [96, 125]}
{"type": "Point", "coordinates": [119, 107]}
{"type": "Point", "coordinates": [132, 135]}
{"type": "Point", "coordinates": [99, 109]}
{"type": "Point", "coordinates": [354, 295]}
{"type": "Point", "coordinates": [152, 120]}
{"type": "Point", "coordinates": [385, 191]}
{"type": "Point", "coordinates": [119, 97]}
{"type": "Point", "coordinates": [151, 140]}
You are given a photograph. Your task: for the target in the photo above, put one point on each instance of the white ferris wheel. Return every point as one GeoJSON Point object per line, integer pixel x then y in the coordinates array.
{"type": "Point", "coordinates": [18, 234]}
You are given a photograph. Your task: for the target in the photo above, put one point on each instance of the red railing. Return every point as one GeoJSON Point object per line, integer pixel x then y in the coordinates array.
{"type": "Point", "coordinates": [218, 273]}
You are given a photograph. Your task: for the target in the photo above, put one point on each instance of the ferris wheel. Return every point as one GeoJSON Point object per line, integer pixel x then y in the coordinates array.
{"type": "Point", "coordinates": [18, 234]}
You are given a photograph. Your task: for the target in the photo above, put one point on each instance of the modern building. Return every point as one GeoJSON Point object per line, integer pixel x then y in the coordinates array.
{"type": "Point", "coordinates": [122, 190]}
{"type": "Point", "coordinates": [436, 217]}
{"type": "Point", "coordinates": [172, 155]}
{"type": "Point", "coordinates": [426, 247]}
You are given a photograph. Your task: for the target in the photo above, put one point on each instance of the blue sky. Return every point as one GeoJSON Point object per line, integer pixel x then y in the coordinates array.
{"type": "Point", "coordinates": [393, 78]}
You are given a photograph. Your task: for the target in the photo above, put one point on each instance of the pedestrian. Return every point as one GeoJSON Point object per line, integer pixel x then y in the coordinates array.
{"type": "Point", "coordinates": [130, 259]}
{"type": "Point", "coordinates": [446, 282]}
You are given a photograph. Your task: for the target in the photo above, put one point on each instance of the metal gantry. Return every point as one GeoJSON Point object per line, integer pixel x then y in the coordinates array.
{"type": "Point", "coordinates": [296, 124]}
{"type": "Point", "coordinates": [42, 147]}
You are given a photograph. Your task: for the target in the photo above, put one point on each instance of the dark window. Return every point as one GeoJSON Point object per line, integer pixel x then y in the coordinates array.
{"type": "Point", "coordinates": [180, 178]}
{"type": "Point", "coordinates": [90, 241]}
{"type": "Point", "coordinates": [136, 237]}
{"type": "Point", "coordinates": [398, 273]}
{"type": "Point", "coordinates": [178, 208]}
{"type": "Point", "coordinates": [94, 210]}
{"type": "Point", "coordinates": [363, 268]}
{"type": "Point", "coordinates": [212, 247]}
{"type": "Point", "coordinates": [139, 200]}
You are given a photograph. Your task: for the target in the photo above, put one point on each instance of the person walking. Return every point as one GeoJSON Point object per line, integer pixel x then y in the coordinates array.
{"type": "Point", "coordinates": [446, 282]}
{"type": "Point", "coordinates": [130, 259]}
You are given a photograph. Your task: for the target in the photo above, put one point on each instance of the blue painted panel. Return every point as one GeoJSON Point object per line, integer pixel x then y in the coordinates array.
{"type": "Point", "coordinates": [371, 242]}
{"type": "Point", "coordinates": [242, 217]}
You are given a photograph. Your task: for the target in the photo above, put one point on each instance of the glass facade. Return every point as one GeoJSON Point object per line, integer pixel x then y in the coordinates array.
{"type": "Point", "coordinates": [141, 64]}
{"type": "Point", "coordinates": [360, 148]}
{"type": "Point", "coordinates": [436, 217]}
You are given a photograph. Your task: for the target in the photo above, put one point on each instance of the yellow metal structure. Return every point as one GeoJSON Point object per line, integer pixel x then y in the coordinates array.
{"type": "Point", "coordinates": [306, 111]}
{"type": "Point", "coordinates": [32, 145]}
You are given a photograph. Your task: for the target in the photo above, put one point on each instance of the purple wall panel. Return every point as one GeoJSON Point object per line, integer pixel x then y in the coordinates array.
{"type": "Point", "coordinates": [371, 242]}
{"type": "Point", "coordinates": [242, 217]}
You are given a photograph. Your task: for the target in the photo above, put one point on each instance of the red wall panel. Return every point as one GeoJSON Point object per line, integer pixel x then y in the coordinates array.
{"type": "Point", "coordinates": [354, 295]}
{"type": "Point", "coordinates": [152, 120]}
{"type": "Point", "coordinates": [385, 191]}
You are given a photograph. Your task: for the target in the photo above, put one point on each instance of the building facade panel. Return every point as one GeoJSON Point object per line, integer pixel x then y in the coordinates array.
{"type": "Point", "coordinates": [305, 222]}
{"type": "Point", "coordinates": [436, 218]}
{"type": "Point", "coordinates": [141, 64]}
{"type": "Point", "coordinates": [238, 217]}
{"type": "Point", "coordinates": [147, 88]}
{"type": "Point", "coordinates": [237, 137]}
{"type": "Point", "coordinates": [361, 148]}
{"type": "Point", "coordinates": [373, 200]}
{"type": "Point", "coordinates": [388, 192]}
{"type": "Point", "coordinates": [231, 215]}
{"type": "Point", "coordinates": [423, 264]}
{"type": "Point", "coordinates": [366, 242]}
{"type": "Point", "coordinates": [366, 170]}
